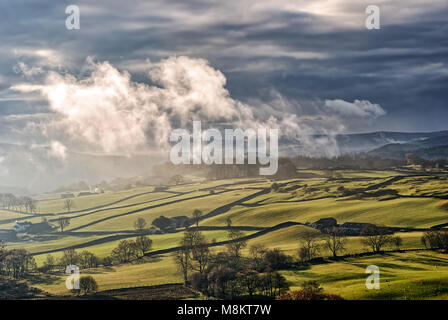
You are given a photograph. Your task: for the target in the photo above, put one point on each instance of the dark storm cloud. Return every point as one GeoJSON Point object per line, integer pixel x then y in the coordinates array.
{"type": "Point", "coordinates": [296, 54]}
{"type": "Point", "coordinates": [259, 46]}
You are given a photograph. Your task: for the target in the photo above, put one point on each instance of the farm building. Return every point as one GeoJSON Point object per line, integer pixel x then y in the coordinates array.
{"type": "Point", "coordinates": [21, 226]}
{"type": "Point", "coordinates": [41, 227]}
{"type": "Point", "coordinates": [325, 223]}
{"type": "Point", "coordinates": [85, 193]}
{"type": "Point", "coordinates": [67, 195]}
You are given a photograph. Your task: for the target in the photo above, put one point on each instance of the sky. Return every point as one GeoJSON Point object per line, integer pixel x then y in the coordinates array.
{"type": "Point", "coordinates": [136, 70]}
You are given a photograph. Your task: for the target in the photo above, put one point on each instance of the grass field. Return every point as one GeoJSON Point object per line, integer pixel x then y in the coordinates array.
{"type": "Point", "coordinates": [403, 199]}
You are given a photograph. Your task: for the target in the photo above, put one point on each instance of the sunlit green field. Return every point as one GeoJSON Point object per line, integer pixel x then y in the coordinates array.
{"type": "Point", "coordinates": [414, 200]}
{"type": "Point", "coordinates": [414, 275]}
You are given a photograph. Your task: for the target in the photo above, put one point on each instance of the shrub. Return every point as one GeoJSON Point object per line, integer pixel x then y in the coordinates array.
{"type": "Point", "coordinates": [87, 284]}
{"type": "Point", "coordinates": [308, 295]}
{"type": "Point", "coordinates": [107, 262]}
{"type": "Point", "coordinates": [199, 282]}
{"type": "Point", "coordinates": [275, 259]}
{"type": "Point", "coordinates": [312, 285]}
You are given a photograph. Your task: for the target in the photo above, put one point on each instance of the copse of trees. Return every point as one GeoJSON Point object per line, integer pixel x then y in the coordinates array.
{"type": "Point", "coordinates": [23, 204]}
{"type": "Point", "coordinates": [84, 260]}
{"type": "Point", "coordinates": [88, 260]}
{"type": "Point", "coordinates": [227, 274]}
{"type": "Point", "coordinates": [413, 159]}
{"type": "Point", "coordinates": [435, 240]}
{"type": "Point", "coordinates": [16, 263]}
{"type": "Point", "coordinates": [128, 250]}
{"type": "Point", "coordinates": [125, 251]}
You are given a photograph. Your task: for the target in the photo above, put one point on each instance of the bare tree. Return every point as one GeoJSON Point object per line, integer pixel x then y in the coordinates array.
{"type": "Point", "coordinates": [335, 241]}
{"type": "Point", "coordinates": [435, 239]}
{"type": "Point", "coordinates": [143, 244]}
{"type": "Point", "coordinates": [182, 260]}
{"type": "Point", "coordinates": [257, 253]}
{"type": "Point", "coordinates": [309, 246]}
{"type": "Point", "coordinates": [197, 216]}
{"type": "Point", "coordinates": [140, 224]}
{"type": "Point", "coordinates": [68, 204]}
{"type": "Point", "coordinates": [236, 243]}
{"type": "Point", "coordinates": [69, 257]}
{"type": "Point", "coordinates": [29, 204]}
{"type": "Point", "coordinates": [194, 253]}
{"type": "Point", "coordinates": [63, 222]}
{"type": "Point", "coordinates": [200, 253]}
{"type": "Point", "coordinates": [376, 237]}
{"type": "Point", "coordinates": [397, 242]}
{"type": "Point", "coordinates": [229, 222]}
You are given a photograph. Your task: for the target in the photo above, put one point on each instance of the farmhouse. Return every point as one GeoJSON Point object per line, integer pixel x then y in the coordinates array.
{"type": "Point", "coordinates": [32, 228]}
{"type": "Point", "coordinates": [325, 223]}
{"type": "Point", "coordinates": [67, 195]}
{"type": "Point", "coordinates": [85, 193]}
{"type": "Point", "coordinates": [165, 224]}
{"type": "Point", "coordinates": [180, 221]}
{"type": "Point", "coordinates": [21, 226]}
{"type": "Point", "coordinates": [40, 227]}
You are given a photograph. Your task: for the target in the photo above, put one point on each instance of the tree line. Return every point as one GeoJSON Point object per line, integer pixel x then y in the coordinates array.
{"type": "Point", "coordinates": [18, 203]}
{"type": "Point", "coordinates": [16, 263]}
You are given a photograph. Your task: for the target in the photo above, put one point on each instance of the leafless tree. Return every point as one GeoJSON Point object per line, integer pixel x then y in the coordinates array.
{"type": "Point", "coordinates": [309, 246]}
{"type": "Point", "coordinates": [335, 241]}
{"type": "Point", "coordinates": [182, 260]}
{"type": "Point", "coordinates": [376, 237]}
{"type": "Point", "coordinates": [63, 222]}
{"type": "Point", "coordinates": [68, 204]}
{"type": "Point", "coordinates": [140, 224]}
{"type": "Point", "coordinates": [236, 243]}
{"type": "Point", "coordinates": [197, 216]}
{"type": "Point", "coordinates": [200, 254]}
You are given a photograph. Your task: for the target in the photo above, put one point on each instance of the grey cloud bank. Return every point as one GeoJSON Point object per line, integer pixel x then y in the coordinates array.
{"type": "Point", "coordinates": [305, 67]}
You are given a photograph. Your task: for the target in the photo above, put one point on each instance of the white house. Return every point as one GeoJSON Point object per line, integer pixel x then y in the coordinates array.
{"type": "Point", "coordinates": [21, 226]}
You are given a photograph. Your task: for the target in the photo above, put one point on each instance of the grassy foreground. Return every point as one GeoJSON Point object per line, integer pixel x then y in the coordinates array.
{"type": "Point", "coordinates": [391, 198]}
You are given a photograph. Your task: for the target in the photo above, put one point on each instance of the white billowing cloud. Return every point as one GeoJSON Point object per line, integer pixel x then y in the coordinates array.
{"type": "Point", "coordinates": [58, 150]}
{"type": "Point", "coordinates": [357, 108]}
{"type": "Point", "coordinates": [23, 68]}
{"type": "Point", "coordinates": [109, 113]}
